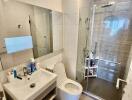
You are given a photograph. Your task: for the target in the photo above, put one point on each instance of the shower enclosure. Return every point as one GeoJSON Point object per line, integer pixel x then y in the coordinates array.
{"type": "Point", "coordinates": [105, 32]}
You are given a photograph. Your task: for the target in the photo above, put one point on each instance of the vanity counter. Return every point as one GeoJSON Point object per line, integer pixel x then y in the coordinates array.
{"type": "Point", "coordinates": [21, 89]}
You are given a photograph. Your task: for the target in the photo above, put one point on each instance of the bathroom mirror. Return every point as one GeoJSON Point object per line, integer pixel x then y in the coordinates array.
{"type": "Point", "coordinates": [43, 25]}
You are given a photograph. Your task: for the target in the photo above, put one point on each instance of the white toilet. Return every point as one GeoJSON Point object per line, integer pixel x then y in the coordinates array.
{"type": "Point", "coordinates": [66, 89]}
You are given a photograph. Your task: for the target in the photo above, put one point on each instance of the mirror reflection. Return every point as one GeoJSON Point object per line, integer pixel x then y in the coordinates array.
{"type": "Point", "coordinates": [43, 26]}
{"type": "Point", "coordinates": [41, 31]}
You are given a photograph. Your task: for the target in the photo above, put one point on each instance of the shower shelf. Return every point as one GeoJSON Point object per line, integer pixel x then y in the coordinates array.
{"type": "Point", "coordinates": [91, 76]}
{"type": "Point", "coordinates": [91, 67]}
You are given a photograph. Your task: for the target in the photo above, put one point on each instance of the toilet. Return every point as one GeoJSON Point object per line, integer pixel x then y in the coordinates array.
{"type": "Point", "coordinates": [67, 89]}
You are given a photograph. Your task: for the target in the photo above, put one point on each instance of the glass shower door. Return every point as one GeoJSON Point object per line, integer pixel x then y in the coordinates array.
{"type": "Point", "coordinates": [111, 33]}
{"type": "Point", "coordinates": [110, 40]}
{"type": "Point", "coordinates": [113, 37]}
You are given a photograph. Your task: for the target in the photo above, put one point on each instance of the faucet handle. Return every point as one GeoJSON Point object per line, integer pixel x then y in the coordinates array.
{"type": "Point", "coordinates": [26, 71]}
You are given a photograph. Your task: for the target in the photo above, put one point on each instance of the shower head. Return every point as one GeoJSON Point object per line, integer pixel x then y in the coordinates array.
{"type": "Point", "coordinates": [108, 4]}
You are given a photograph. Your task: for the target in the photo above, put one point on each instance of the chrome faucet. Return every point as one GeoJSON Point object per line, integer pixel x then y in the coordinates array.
{"type": "Point", "coordinates": [26, 71]}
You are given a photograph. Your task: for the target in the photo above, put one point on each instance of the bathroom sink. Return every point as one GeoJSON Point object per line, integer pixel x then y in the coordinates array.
{"type": "Point", "coordinates": [29, 89]}
{"type": "Point", "coordinates": [37, 76]}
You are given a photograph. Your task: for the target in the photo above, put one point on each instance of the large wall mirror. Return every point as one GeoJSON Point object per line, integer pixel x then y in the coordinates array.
{"type": "Point", "coordinates": [19, 21]}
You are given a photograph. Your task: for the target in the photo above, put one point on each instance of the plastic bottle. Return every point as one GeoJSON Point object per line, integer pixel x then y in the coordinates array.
{"type": "Point", "coordinates": [14, 72]}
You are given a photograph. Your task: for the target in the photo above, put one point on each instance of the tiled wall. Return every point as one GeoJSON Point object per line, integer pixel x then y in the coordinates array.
{"type": "Point", "coordinates": [113, 45]}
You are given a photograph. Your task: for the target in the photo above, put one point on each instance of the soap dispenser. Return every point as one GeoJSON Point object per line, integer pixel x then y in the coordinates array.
{"type": "Point", "coordinates": [32, 65]}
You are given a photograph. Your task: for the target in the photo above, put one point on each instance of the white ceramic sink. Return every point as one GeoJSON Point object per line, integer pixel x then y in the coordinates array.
{"type": "Point", "coordinates": [21, 90]}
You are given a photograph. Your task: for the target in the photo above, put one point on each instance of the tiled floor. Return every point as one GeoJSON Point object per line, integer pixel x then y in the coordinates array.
{"type": "Point", "coordinates": [102, 89]}
{"type": "Point", "coordinates": [84, 97]}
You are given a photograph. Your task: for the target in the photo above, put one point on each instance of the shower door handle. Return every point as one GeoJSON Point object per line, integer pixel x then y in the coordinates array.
{"type": "Point", "coordinates": [118, 82]}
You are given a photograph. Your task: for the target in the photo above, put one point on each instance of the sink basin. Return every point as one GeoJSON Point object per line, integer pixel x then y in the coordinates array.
{"type": "Point", "coordinates": [22, 89]}
{"type": "Point", "coordinates": [37, 76]}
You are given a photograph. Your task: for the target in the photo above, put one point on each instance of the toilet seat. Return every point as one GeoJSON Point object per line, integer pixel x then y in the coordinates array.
{"type": "Point", "coordinates": [71, 87]}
